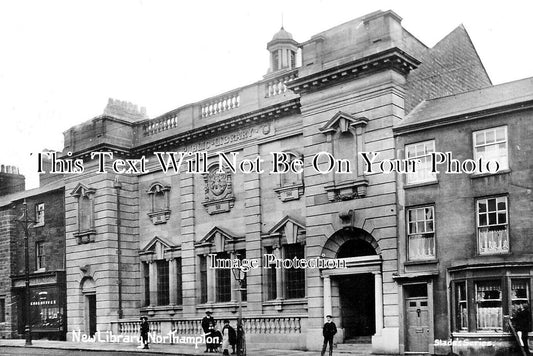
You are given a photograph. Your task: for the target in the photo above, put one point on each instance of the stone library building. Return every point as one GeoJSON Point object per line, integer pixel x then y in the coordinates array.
{"type": "Point", "coordinates": [159, 206]}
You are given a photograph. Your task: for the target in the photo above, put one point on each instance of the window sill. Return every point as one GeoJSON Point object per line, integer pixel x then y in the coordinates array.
{"type": "Point", "coordinates": [421, 262]}
{"type": "Point", "coordinates": [482, 175]}
{"type": "Point", "coordinates": [421, 184]}
{"type": "Point", "coordinates": [482, 333]}
{"type": "Point", "coordinates": [85, 236]}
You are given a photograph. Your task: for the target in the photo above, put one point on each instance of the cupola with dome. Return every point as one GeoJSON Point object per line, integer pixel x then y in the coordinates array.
{"type": "Point", "coordinates": [283, 49]}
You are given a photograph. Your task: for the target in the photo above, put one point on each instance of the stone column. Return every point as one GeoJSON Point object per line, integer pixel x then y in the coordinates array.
{"type": "Point", "coordinates": [152, 270]}
{"type": "Point", "coordinates": [327, 296]}
{"type": "Point", "coordinates": [173, 281]}
{"type": "Point", "coordinates": [378, 287]}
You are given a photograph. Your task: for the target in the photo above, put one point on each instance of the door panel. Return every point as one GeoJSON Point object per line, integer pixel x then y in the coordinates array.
{"type": "Point", "coordinates": [417, 321]}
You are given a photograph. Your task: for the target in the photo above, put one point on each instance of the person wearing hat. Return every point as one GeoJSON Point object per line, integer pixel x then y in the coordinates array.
{"type": "Point", "coordinates": [229, 337]}
{"type": "Point", "coordinates": [207, 320]}
{"type": "Point", "coordinates": [145, 329]}
{"type": "Point", "coordinates": [328, 331]}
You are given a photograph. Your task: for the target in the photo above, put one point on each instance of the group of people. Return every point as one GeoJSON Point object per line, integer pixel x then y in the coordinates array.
{"type": "Point", "coordinates": [218, 339]}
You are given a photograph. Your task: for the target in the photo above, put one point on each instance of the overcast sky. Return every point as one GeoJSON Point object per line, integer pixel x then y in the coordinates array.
{"type": "Point", "coordinates": [61, 60]}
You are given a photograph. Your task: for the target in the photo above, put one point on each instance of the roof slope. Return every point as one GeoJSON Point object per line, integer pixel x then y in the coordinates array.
{"type": "Point", "coordinates": [452, 66]}
{"type": "Point", "coordinates": [470, 102]}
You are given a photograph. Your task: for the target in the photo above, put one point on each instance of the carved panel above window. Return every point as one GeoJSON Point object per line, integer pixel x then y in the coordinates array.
{"type": "Point", "coordinates": [291, 185]}
{"type": "Point", "coordinates": [219, 197]}
{"type": "Point", "coordinates": [345, 134]}
{"type": "Point", "coordinates": [160, 195]}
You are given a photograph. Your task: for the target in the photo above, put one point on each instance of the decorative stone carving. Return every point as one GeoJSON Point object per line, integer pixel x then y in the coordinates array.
{"type": "Point", "coordinates": [219, 197]}
{"type": "Point", "coordinates": [291, 186]}
{"type": "Point", "coordinates": [86, 230]}
{"type": "Point", "coordinates": [160, 203]}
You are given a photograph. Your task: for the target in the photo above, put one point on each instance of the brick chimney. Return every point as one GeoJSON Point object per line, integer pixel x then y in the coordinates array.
{"type": "Point", "coordinates": [11, 181]}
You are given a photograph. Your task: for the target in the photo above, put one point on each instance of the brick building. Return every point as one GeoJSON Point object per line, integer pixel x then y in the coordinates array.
{"type": "Point", "coordinates": [140, 243]}
{"type": "Point", "coordinates": [465, 248]}
{"type": "Point", "coordinates": [46, 247]}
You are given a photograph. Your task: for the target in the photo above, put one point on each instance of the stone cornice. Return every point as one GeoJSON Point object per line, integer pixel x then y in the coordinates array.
{"type": "Point", "coordinates": [393, 58]}
{"type": "Point", "coordinates": [270, 112]}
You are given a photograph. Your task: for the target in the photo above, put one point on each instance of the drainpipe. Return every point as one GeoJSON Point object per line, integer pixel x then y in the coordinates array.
{"type": "Point", "coordinates": [117, 185]}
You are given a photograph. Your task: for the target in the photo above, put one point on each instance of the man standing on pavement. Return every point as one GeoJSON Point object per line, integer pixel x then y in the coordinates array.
{"type": "Point", "coordinates": [328, 331]}
{"type": "Point", "coordinates": [207, 320]}
{"type": "Point", "coordinates": [145, 329]}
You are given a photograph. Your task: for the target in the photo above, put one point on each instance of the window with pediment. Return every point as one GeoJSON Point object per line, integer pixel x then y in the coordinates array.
{"type": "Point", "coordinates": [344, 134]}
{"type": "Point", "coordinates": [219, 197]}
{"type": "Point", "coordinates": [217, 285]}
{"type": "Point", "coordinates": [160, 203]}
{"type": "Point", "coordinates": [161, 274]}
{"type": "Point", "coordinates": [85, 211]}
{"type": "Point", "coordinates": [286, 240]}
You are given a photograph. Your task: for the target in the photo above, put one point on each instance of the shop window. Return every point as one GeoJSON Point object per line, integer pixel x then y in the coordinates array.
{"type": "Point", "coordinates": [39, 214]}
{"type": "Point", "coordinates": [461, 308]}
{"type": "Point", "coordinates": [162, 282]}
{"type": "Point", "coordinates": [421, 233]}
{"type": "Point", "coordinates": [492, 222]}
{"type": "Point", "coordinates": [488, 299]}
{"type": "Point", "coordinates": [421, 152]}
{"type": "Point", "coordinates": [39, 255]}
{"type": "Point", "coordinates": [294, 277]}
{"type": "Point", "coordinates": [491, 145]}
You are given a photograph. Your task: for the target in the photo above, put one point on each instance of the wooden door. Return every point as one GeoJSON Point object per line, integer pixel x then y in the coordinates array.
{"type": "Point", "coordinates": [417, 320]}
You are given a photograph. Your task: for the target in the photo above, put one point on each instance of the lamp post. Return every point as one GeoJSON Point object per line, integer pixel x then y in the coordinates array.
{"type": "Point", "coordinates": [26, 224]}
{"type": "Point", "coordinates": [240, 276]}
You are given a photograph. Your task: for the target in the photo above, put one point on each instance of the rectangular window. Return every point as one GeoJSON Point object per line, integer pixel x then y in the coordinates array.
{"type": "Point", "coordinates": [223, 281]}
{"type": "Point", "coordinates": [39, 255]}
{"type": "Point", "coordinates": [162, 283]}
{"type": "Point", "coordinates": [489, 305]}
{"type": "Point", "coordinates": [271, 277]}
{"type": "Point", "coordinates": [519, 293]}
{"type": "Point", "coordinates": [146, 274]}
{"type": "Point", "coordinates": [244, 293]}
{"type": "Point", "coordinates": [421, 152]}
{"type": "Point", "coordinates": [491, 145]}
{"type": "Point", "coordinates": [461, 311]}
{"type": "Point", "coordinates": [294, 277]}
{"type": "Point", "coordinates": [2, 310]}
{"type": "Point", "coordinates": [493, 237]}
{"type": "Point", "coordinates": [179, 282]}
{"type": "Point", "coordinates": [421, 233]}
{"type": "Point", "coordinates": [85, 213]}
{"type": "Point", "coordinates": [203, 279]}
{"type": "Point", "coordinates": [39, 214]}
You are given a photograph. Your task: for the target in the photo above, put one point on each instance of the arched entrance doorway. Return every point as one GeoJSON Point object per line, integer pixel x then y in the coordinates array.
{"type": "Point", "coordinates": [355, 292]}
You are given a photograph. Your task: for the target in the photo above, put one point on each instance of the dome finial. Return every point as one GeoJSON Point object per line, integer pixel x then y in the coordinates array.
{"type": "Point", "coordinates": [282, 20]}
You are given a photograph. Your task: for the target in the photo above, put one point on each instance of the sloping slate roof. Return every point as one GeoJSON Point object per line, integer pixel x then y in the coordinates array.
{"type": "Point", "coordinates": [470, 102]}
{"type": "Point", "coordinates": [8, 199]}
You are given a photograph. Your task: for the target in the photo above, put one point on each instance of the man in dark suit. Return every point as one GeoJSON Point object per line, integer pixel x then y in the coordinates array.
{"type": "Point", "coordinates": [207, 320]}
{"type": "Point", "coordinates": [328, 331]}
{"type": "Point", "coordinates": [145, 329]}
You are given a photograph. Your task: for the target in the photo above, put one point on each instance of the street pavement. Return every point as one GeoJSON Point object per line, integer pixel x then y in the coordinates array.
{"type": "Point", "coordinates": [63, 348]}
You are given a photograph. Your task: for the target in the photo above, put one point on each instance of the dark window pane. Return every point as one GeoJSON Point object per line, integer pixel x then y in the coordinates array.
{"type": "Point", "coordinates": [162, 283]}
{"type": "Point", "coordinates": [294, 278]}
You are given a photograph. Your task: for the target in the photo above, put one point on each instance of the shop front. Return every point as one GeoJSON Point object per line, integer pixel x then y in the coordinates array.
{"type": "Point", "coordinates": [47, 305]}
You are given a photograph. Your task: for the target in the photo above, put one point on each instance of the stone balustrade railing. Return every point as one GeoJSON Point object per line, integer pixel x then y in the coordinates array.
{"type": "Point", "coordinates": [161, 124]}
{"type": "Point", "coordinates": [221, 104]}
{"type": "Point", "coordinates": [252, 325]}
{"type": "Point", "coordinates": [278, 85]}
